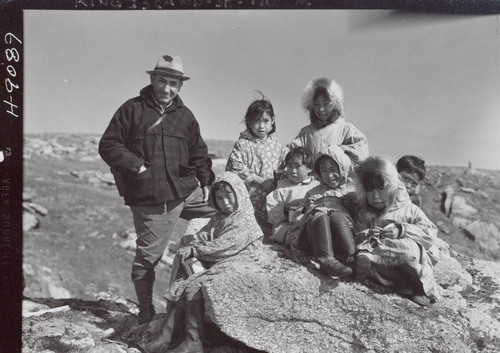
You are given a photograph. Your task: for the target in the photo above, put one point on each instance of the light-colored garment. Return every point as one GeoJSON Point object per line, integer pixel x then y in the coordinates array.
{"type": "Point", "coordinates": [317, 198]}
{"type": "Point", "coordinates": [341, 133]}
{"type": "Point", "coordinates": [286, 193]}
{"type": "Point", "coordinates": [253, 157]}
{"type": "Point", "coordinates": [222, 239]}
{"type": "Point", "coordinates": [410, 251]}
{"type": "Point", "coordinates": [322, 198]}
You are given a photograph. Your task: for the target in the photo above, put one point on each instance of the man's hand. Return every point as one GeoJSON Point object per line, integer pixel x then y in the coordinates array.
{"type": "Point", "coordinates": [268, 185]}
{"type": "Point", "coordinates": [185, 253]}
{"type": "Point", "coordinates": [206, 193]}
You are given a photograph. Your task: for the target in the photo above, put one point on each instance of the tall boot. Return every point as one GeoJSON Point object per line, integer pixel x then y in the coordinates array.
{"type": "Point", "coordinates": [321, 239]}
{"type": "Point", "coordinates": [144, 292]}
{"type": "Point", "coordinates": [195, 313]}
{"type": "Point", "coordinates": [342, 237]}
{"type": "Point", "coordinates": [160, 341]}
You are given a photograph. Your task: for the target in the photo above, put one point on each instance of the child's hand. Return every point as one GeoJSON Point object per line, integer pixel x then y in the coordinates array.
{"type": "Point", "coordinates": [375, 232]}
{"type": "Point", "coordinates": [185, 253]}
{"type": "Point", "coordinates": [390, 231]}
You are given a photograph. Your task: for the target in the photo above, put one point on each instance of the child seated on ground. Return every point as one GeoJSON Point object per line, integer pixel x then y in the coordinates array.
{"type": "Point", "coordinates": [393, 234]}
{"type": "Point", "coordinates": [412, 170]}
{"type": "Point", "coordinates": [230, 233]}
{"type": "Point", "coordinates": [327, 227]}
{"type": "Point", "coordinates": [283, 203]}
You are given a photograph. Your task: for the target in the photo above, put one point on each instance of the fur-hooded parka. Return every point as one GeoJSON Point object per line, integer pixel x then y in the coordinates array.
{"type": "Point", "coordinates": [335, 94]}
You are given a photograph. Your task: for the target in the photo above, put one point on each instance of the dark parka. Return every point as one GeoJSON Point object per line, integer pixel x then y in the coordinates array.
{"type": "Point", "coordinates": [174, 152]}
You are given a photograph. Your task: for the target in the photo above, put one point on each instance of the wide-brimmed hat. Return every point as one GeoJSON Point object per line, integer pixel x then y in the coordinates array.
{"type": "Point", "coordinates": [168, 66]}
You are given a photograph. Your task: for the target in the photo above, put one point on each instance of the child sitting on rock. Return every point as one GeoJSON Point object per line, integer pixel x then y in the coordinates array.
{"type": "Point", "coordinates": [393, 234]}
{"type": "Point", "coordinates": [283, 203]}
{"type": "Point", "coordinates": [328, 226]}
{"type": "Point", "coordinates": [230, 233]}
{"type": "Point", "coordinates": [412, 170]}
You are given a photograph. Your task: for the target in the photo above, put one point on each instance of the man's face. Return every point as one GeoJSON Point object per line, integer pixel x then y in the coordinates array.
{"type": "Point", "coordinates": [165, 88]}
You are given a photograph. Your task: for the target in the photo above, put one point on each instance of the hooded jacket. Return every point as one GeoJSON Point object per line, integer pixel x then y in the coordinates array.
{"type": "Point", "coordinates": [323, 190]}
{"type": "Point", "coordinates": [223, 239]}
{"type": "Point", "coordinates": [416, 237]}
{"type": "Point", "coordinates": [253, 157]}
{"type": "Point", "coordinates": [174, 153]}
{"type": "Point", "coordinates": [338, 132]}
{"type": "Point", "coordinates": [324, 199]}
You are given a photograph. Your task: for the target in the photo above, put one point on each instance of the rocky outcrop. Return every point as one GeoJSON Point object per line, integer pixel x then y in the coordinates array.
{"type": "Point", "coordinates": [74, 325]}
{"type": "Point", "coordinates": [272, 304]}
{"type": "Point", "coordinates": [31, 211]}
{"type": "Point", "coordinates": [275, 305]}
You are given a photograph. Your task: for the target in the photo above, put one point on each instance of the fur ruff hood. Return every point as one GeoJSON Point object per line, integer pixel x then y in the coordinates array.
{"type": "Point", "coordinates": [333, 89]}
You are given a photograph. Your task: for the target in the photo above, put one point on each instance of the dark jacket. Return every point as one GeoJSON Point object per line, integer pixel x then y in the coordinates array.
{"type": "Point", "coordinates": [174, 152]}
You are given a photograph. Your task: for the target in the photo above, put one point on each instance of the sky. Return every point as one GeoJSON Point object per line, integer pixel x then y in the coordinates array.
{"type": "Point", "coordinates": [420, 84]}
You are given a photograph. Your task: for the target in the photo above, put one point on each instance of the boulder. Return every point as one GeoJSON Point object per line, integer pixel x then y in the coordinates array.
{"type": "Point", "coordinates": [29, 221]}
{"type": "Point", "coordinates": [272, 304]}
{"type": "Point", "coordinates": [269, 303]}
{"type": "Point", "coordinates": [486, 234]}
{"type": "Point", "coordinates": [459, 207]}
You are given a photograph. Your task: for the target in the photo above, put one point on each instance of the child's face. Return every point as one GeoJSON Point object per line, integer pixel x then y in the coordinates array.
{"type": "Point", "coordinates": [330, 173]}
{"type": "Point", "coordinates": [262, 126]}
{"type": "Point", "coordinates": [378, 198]}
{"type": "Point", "coordinates": [226, 200]}
{"type": "Point", "coordinates": [296, 171]}
{"type": "Point", "coordinates": [411, 181]}
{"type": "Point", "coordinates": [322, 107]}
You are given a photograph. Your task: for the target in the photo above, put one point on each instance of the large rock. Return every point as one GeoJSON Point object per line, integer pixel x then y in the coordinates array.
{"type": "Point", "coordinates": [486, 234]}
{"type": "Point", "coordinates": [275, 305]}
{"type": "Point", "coordinates": [460, 207]}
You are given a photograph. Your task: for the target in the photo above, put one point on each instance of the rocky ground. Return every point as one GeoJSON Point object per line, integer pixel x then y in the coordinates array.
{"type": "Point", "coordinates": [79, 241]}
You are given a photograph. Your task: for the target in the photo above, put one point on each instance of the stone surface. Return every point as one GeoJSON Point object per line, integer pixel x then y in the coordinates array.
{"type": "Point", "coordinates": [275, 305]}
{"type": "Point", "coordinates": [29, 221]}
{"type": "Point", "coordinates": [459, 207]}
{"type": "Point", "coordinates": [447, 198]}
{"type": "Point", "coordinates": [486, 234]}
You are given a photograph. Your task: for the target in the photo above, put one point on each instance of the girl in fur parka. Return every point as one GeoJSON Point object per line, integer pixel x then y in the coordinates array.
{"type": "Point", "coordinates": [394, 234]}
{"type": "Point", "coordinates": [323, 99]}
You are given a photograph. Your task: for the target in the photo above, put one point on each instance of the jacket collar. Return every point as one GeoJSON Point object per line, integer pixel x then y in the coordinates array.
{"type": "Point", "coordinates": [147, 94]}
{"type": "Point", "coordinates": [246, 135]}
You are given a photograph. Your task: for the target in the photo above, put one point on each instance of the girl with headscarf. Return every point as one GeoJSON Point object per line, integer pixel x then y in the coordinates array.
{"type": "Point", "coordinates": [232, 232]}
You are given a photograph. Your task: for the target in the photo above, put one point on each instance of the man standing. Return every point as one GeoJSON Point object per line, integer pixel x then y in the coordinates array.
{"type": "Point", "coordinates": [153, 141]}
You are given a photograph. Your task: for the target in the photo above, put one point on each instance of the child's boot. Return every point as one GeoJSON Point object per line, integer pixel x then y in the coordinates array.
{"type": "Point", "coordinates": [342, 237]}
{"type": "Point", "coordinates": [321, 240]}
{"type": "Point", "coordinates": [195, 312]}
{"type": "Point", "coordinates": [161, 341]}
{"type": "Point", "coordinates": [361, 266]}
